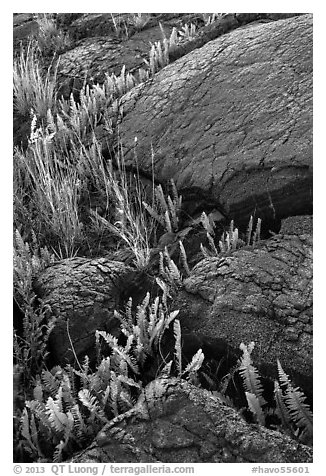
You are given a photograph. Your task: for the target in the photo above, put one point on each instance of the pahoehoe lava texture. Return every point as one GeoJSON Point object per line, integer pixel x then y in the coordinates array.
{"type": "Point", "coordinates": [234, 119]}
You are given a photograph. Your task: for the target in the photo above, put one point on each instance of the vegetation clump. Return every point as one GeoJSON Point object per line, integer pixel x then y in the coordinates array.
{"type": "Point", "coordinates": [70, 200]}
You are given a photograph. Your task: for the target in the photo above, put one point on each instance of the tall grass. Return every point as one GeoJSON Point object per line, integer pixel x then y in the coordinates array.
{"type": "Point", "coordinates": [34, 89]}
{"type": "Point", "coordinates": [132, 224]}
{"type": "Point", "coordinates": [51, 191]}
{"type": "Point", "coordinates": [49, 186]}
{"type": "Point", "coordinates": [50, 38]}
{"type": "Point", "coordinates": [63, 162]}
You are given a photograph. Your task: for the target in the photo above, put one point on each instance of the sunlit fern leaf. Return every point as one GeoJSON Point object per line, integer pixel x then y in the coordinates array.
{"type": "Point", "coordinates": [57, 418]}
{"type": "Point", "coordinates": [294, 399]}
{"type": "Point", "coordinates": [118, 351]}
{"type": "Point", "coordinates": [196, 363]}
{"type": "Point", "coordinates": [153, 315]}
{"type": "Point", "coordinates": [167, 221]}
{"type": "Point", "coordinates": [91, 402]}
{"type": "Point", "coordinates": [255, 407]}
{"type": "Point", "coordinates": [162, 324]}
{"type": "Point", "coordinates": [249, 374]}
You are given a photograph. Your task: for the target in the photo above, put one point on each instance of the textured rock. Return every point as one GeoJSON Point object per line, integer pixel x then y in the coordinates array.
{"type": "Point", "coordinates": [297, 225]}
{"type": "Point", "coordinates": [175, 422]}
{"type": "Point", "coordinates": [232, 121]}
{"type": "Point", "coordinates": [101, 51]}
{"type": "Point", "coordinates": [262, 295]}
{"type": "Point", "coordinates": [83, 294]}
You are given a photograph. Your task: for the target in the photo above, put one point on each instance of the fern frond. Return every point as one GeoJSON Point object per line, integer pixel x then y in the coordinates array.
{"type": "Point", "coordinates": [249, 374]}
{"type": "Point", "coordinates": [79, 424]}
{"type": "Point", "coordinates": [212, 244]}
{"type": "Point", "coordinates": [50, 383]}
{"type": "Point", "coordinates": [39, 410]}
{"type": "Point", "coordinates": [281, 408]}
{"type": "Point", "coordinates": [177, 346]}
{"type": "Point", "coordinates": [57, 418]}
{"type": "Point", "coordinates": [25, 431]}
{"type": "Point", "coordinates": [91, 402]}
{"type": "Point", "coordinates": [125, 401]}
{"type": "Point", "coordinates": [294, 399]}
{"type": "Point", "coordinates": [57, 455]}
{"type": "Point", "coordinates": [114, 391]}
{"type": "Point", "coordinates": [255, 407]}
{"type": "Point", "coordinates": [196, 363]}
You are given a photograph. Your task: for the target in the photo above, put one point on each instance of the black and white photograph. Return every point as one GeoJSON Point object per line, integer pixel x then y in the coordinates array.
{"type": "Point", "coordinates": [162, 232]}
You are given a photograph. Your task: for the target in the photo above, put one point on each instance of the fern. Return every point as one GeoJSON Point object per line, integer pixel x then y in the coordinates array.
{"type": "Point", "coordinates": [293, 412]}
{"type": "Point", "coordinates": [25, 432]}
{"type": "Point", "coordinates": [184, 259]}
{"type": "Point", "coordinates": [57, 418]}
{"type": "Point", "coordinates": [282, 410]}
{"type": "Point", "coordinates": [250, 374]}
{"type": "Point", "coordinates": [167, 210]}
{"type": "Point", "coordinates": [196, 362]}
{"type": "Point", "coordinates": [295, 402]}
{"type": "Point", "coordinates": [177, 347]}
{"type": "Point", "coordinates": [255, 407]}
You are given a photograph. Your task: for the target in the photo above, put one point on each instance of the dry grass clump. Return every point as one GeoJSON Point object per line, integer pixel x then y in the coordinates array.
{"type": "Point", "coordinates": [34, 89]}
{"type": "Point", "coordinates": [51, 39]}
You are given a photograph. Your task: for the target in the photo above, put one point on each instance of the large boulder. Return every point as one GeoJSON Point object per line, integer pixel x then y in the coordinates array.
{"type": "Point", "coordinates": [261, 294]}
{"type": "Point", "coordinates": [175, 422]}
{"type": "Point", "coordinates": [83, 294]}
{"type": "Point", "coordinates": [231, 122]}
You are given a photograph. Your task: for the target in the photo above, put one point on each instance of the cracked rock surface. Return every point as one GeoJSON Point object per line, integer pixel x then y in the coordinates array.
{"type": "Point", "coordinates": [232, 120]}
{"type": "Point", "coordinates": [175, 422]}
{"type": "Point", "coordinates": [261, 294]}
{"type": "Point", "coordinates": [83, 294]}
